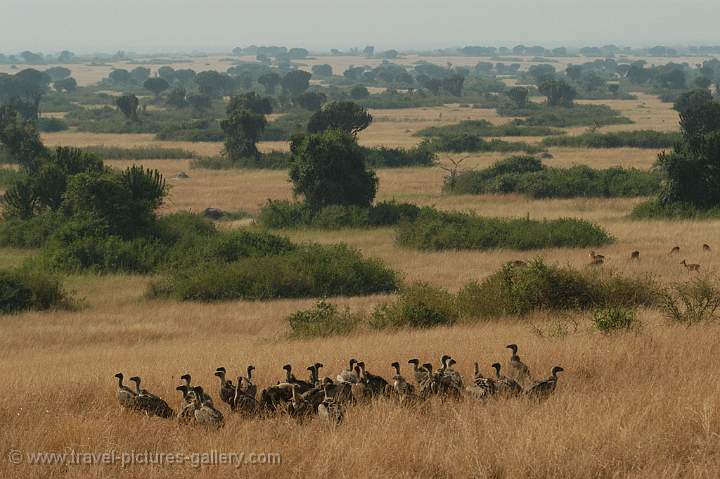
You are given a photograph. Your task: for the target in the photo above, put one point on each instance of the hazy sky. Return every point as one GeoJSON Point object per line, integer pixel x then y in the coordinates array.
{"type": "Point", "coordinates": [146, 25]}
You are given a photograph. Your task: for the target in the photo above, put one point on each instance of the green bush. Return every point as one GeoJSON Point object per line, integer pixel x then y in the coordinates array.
{"type": "Point", "coordinates": [656, 210]}
{"type": "Point", "coordinates": [485, 128]}
{"type": "Point", "coordinates": [417, 306]}
{"type": "Point", "coordinates": [383, 157]}
{"type": "Point", "coordinates": [286, 214]}
{"type": "Point", "coordinates": [528, 176]}
{"type": "Point", "coordinates": [614, 319]}
{"type": "Point", "coordinates": [692, 302]}
{"type": "Point", "coordinates": [22, 290]}
{"type": "Point", "coordinates": [30, 233]}
{"type": "Point", "coordinates": [519, 291]}
{"type": "Point", "coordinates": [274, 160]}
{"type": "Point", "coordinates": [617, 139]}
{"type": "Point", "coordinates": [139, 153]}
{"type": "Point", "coordinates": [8, 177]}
{"type": "Point", "coordinates": [308, 271]}
{"type": "Point", "coordinates": [436, 231]}
{"type": "Point", "coordinates": [564, 117]}
{"type": "Point", "coordinates": [466, 142]}
{"type": "Point", "coordinates": [325, 319]}
{"type": "Point", "coordinates": [52, 125]}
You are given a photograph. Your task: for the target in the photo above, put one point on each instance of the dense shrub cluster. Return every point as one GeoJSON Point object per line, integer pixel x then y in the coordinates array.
{"type": "Point", "coordinates": [325, 319]}
{"type": "Point", "coordinates": [528, 176]}
{"type": "Point", "coordinates": [286, 214]}
{"type": "Point", "coordinates": [22, 290]}
{"type": "Point", "coordinates": [617, 139]}
{"type": "Point", "coordinates": [656, 210]}
{"type": "Point", "coordinates": [139, 153]}
{"type": "Point", "coordinates": [564, 117]}
{"type": "Point", "coordinates": [692, 302]}
{"type": "Point", "coordinates": [417, 306]}
{"type": "Point", "coordinates": [519, 291]}
{"type": "Point", "coordinates": [434, 230]}
{"type": "Point", "coordinates": [306, 271]}
{"type": "Point", "coordinates": [467, 142]}
{"type": "Point", "coordinates": [485, 128]}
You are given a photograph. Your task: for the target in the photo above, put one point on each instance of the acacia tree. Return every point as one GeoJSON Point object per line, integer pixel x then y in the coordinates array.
{"type": "Point", "coordinates": [296, 82]}
{"type": "Point", "coordinates": [270, 82]}
{"type": "Point", "coordinates": [128, 105]}
{"type": "Point", "coordinates": [558, 92]}
{"type": "Point", "coordinates": [518, 95]}
{"type": "Point", "coordinates": [243, 129]}
{"type": "Point", "coordinates": [156, 85]}
{"type": "Point", "coordinates": [346, 116]}
{"type": "Point", "coordinates": [329, 168]}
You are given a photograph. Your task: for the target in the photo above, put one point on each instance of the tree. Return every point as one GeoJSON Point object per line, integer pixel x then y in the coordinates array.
{"type": "Point", "coordinates": [199, 102]}
{"type": "Point", "coordinates": [140, 74]}
{"type": "Point", "coordinates": [119, 76]}
{"type": "Point", "coordinates": [324, 70]}
{"type": "Point", "coordinates": [558, 92]}
{"type": "Point", "coordinates": [58, 73]}
{"type": "Point", "coordinates": [156, 85]}
{"type": "Point", "coordinates": [390, 54]}
{"type": "Point", "coordinates": [66, 56]}
{"type": "Point", "coordinates": [185, 75]}
{"type": "Point", "coordinates": [250, 101]}
{"type": "Point", "coordinates": [329, 168]}
{"type": "Point", "coordinates": [67, 85]}
{"type": "Point", "coordinates": [177, 97]}
{"type": "Point", "coordinates": [243, 129]}
{"type": "Point", "coordinates": [453, 84]}
{"type": "Point", "coordinates": [296, 82]}
{"type": "Point", "coordinates": [691, 171]}
{"type": "Point", "coordinates": [574, 72]}
{"type": "Point", "coordinates": [369, 51]}
{"type": "Point", "coordinates": [297, 53]}
{"type": "Point", "coordinates": [311, 100]}
{"type": "Point", "coordinates": [359, 92]}
{"type": "Point", "coordinates": [20, 138]}
{"type": "Point", "coordinates": [213, 84]}
{"type": "Point", "coordinates": [433, 85]}
{"type": "Point", "coordinates": [167, 73]}
{"type": "Point", "coordinates": [518, 95]}
{"type": "Point", "coordinates": [128, 105]}
{"type": "Point", "coordinates": [270, 82]}
{"type": "Point", "coordinates": [703, 82]}
{"type": "Point", "coordinates": [346, 116]}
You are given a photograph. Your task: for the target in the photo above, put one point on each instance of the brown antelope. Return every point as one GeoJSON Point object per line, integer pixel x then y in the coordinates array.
{"type": "Point", "coordinates": [690, 266]}
{"type": "Point", "coordinates": [675, 250]}
{"type": "Point", "coordinates": [635, 255]}
{"type": "Point", "coordinates": [706, 247]}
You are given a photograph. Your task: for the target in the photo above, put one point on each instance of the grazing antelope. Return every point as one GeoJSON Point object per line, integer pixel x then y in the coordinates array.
{"type": "Point", "coordinates": [635, 255]}
{"type": "Point", "coordinates": [690, 266]}
{"type": "Point", "coordinates": [706, 248]}
{"type": "Point", "coordinates": [594, 257]}
{"type": "Point", "coordinates": [675, 250]}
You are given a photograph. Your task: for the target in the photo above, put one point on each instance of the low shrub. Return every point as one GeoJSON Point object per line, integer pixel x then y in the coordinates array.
{"type": "Point", "coordinates": [528, 176]}
{"type": "Point", "coordinates": [275, 160]}
{"type": "Point", "coordinates": [308, 271]}
{"type": "Point", "coordinates": [286, 214]}
{"type": "Point", "coordinates": [383, 157]}
{"type": "Point", "coordinates": [692, 302]}
{"type": "Point", "coordinates": [325, 319]}
{"type": "Point", "coordinates": [485, 128]}
{"type": "Point", "coordinates": [656, 210]}
{"type": "Point", "coordinates": [519, 291]}
{"type": "Point", "coordinates": [30, 233]}
{"type": "Point", "coordinates": [9, 176]}
{"type": "Point", "coordinates": [22, 290]}
{"type": "Point", "coordinates": [52, 125]}
{"type": "Point", "coordinates": [417, 306]}
{"type": "Point", "coordinates": [139, 153]}
{"type": "Point", "coordinates": [617, 139]}
{"type": "Point", "coordinates": [466, 142]}
{"type": "Point", "coordinates": [615, 319]}
{"type": "Point", "coordinates": [564, 117]}
{"type": "Point", "coordinates": [435, 231]}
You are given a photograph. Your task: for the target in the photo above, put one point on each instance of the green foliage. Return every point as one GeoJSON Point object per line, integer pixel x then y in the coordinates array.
{"type": "Point", "coordinates": [285, 214]}
{"type": "Point", "coordinates": [308, 271]}
{"type": "Point", "coordinates": [383, 157]}
{"type": "Point", "coordinates": [329, 168]}
{"type": "Point", "coordinates": [528, 176]}
{"type": "Point", "coordinates": [274, 160]}
{"type": "Point", "coordinates": [613, 319]}
{"type": "Point", "coordinates": [435, 231]}
{"type": "Point", "coordinates": [128, 105]}
{"type": "Point", "coordinates": [345, 116]}
{"type": "Point", "coordinates": [20, 138]}
{"type": "Point", "coordinates": [242, 129]}
{"type": "Point", "coordinates": [325, 319]}
{"type": "Point", "coordinates": [139, 153]}
{"type": "Point", "coordinates": [558, 92]}
{"type": "Point", "coordinates": [564, 117]}
{"type": "Point", "coordinates": [29, 233]}
{"type": "Point", "coordinates": [156, 85]}
{"type": "Point", "coordinates": [419, 305]}
{"type": "Point", "coordinates": [52, 125]}
{"type": "Point", "coordinates": [485, 128]}
{"type": "Point", "coordinates": [618, 139]}
{"type": "Point", "coordinates": [9, 176]}
{"type": "Point", "coordinates": [466, 142]}
{"type": "Point", "coordinates": [695, 301]}
{"type": "Point", "coordinates": [656, 210]}
{"type": "Point", "coordinates": [519, 291]}
{"type": "Point", "coordinates": [22, 290]}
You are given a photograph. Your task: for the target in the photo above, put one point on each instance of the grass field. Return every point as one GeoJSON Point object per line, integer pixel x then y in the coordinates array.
{"type": "Point", "coordinates": [640, 404]}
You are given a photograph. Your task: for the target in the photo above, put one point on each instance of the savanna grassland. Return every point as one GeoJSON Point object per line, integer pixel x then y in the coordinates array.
{"type": "Point", "coordinates": [642, 403]}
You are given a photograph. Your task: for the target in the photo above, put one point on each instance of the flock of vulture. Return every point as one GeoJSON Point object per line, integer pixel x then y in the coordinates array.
{"type": "Point", "coordinates": [327, 398]}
